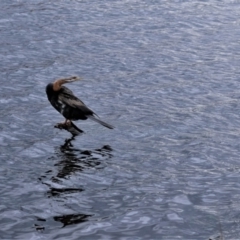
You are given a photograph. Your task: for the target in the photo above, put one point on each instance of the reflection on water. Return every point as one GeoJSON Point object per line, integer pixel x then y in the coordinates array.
{"type": "Point", "coordinates": [72, 161]}
{"type": "Point", "coordinates": [72, 219]}
{"type": "Point", "coordinates": [56, 192]}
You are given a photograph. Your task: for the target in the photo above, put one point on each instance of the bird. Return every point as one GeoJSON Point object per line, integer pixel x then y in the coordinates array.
{"type": "Point", "coordinates": [66, 103]}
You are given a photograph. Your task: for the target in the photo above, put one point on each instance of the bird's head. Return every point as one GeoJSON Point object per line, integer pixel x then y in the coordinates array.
{"type": "Point", "coordinates": [56, 86]}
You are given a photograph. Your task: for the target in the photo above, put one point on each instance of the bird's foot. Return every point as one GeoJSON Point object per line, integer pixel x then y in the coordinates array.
{"type": "Point", "coordinates": [60, 125]}
{"type": "Point", "coordinates": [67, 123]}
{"type": "Point", "coordinates": [70, 127]}
{"type": "Point", "coordinates": [64, 125]}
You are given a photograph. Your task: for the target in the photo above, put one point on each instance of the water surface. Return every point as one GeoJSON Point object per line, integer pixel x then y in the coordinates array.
{"type": "Point", "coordinates": [166, 74]}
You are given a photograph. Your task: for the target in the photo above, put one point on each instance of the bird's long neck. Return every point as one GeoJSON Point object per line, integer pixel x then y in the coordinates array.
{"type": "Point", "coordinates": [58, 83]}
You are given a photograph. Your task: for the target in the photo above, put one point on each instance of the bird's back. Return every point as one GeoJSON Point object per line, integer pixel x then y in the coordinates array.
{"type": "Point", "coordinates": [69, 105]}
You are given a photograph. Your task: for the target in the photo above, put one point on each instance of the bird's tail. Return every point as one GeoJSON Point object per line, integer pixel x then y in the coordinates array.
{"type": "Point", "coordinates": [92, 117]}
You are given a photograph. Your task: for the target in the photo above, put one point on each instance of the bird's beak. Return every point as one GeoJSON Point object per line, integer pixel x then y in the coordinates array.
{"type": "Point", "coordinates": [71, 79]}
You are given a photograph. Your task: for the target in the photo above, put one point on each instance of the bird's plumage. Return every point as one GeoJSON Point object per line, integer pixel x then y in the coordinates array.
{"type": "Point", "coordinates": [65, 102]}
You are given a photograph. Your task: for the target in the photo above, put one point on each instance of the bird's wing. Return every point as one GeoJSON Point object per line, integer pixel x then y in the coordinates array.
{"type": "Point", "coordinates": [67, 97]}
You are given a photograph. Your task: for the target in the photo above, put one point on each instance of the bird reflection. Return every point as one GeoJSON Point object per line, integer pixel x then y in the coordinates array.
{"type": "Point", "coordinates": [70, 161]}
{"type": "Point", "coordinates": [72, 219]}
{"type": "Point", "coordinates": [57, 192]}
{"type": "Point", "coordinates": [67, 144]}
{"type": "Point", "coordinates": [75, 160]}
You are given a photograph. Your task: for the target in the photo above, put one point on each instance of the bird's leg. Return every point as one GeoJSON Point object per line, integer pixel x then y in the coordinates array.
{"type": "Point", "coordinates": [67, 122]}
{"type": "Point", "coordinates": [64, 125]}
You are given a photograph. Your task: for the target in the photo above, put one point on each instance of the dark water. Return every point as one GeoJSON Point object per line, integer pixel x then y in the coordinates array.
{"type": "Point", "coordinates": [166, 74]}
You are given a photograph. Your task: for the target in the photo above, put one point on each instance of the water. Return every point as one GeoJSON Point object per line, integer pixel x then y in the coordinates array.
{"type": "Point", "coordinates": [166, 74]}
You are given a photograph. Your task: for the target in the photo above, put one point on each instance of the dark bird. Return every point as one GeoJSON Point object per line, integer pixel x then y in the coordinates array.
{"type": "Point", "coordinates": [65, 102]}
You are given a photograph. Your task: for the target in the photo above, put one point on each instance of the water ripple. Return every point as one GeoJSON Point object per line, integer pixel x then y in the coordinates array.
{"type": "Point", "coordinates": [166, 75]}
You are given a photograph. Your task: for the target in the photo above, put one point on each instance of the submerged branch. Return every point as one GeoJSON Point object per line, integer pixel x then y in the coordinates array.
{"type": "Point", "coordinates": [70, 127]}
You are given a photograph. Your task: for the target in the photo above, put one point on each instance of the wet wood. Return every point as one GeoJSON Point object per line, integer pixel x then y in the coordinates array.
{"type": "Point", "coordinates": [70, 127]}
